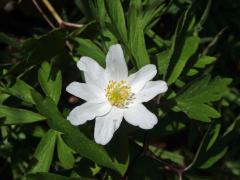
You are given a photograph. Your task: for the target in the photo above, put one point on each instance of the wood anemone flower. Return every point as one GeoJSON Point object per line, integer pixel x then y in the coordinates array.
{"type": "Point", "coordinates": [112, 95]}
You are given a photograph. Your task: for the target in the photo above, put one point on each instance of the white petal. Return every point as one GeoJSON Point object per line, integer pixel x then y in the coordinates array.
{"type": "Point", "coordinates": [85, 91]}
{"type": "Point", "coordinates": [150, 90]}
{"type": "Point", "coordinates": [115, 63]}
{"type": "Point", "coordinates": [138, 80]}
{"type": "Point", "coordinates": [88, 111]}
{"type": "Point", "coordinates": [105, 126]}
{"type": "Point", "coordinates": [93, 72]}
{"type": "Point", "coordinates": [139, 115]}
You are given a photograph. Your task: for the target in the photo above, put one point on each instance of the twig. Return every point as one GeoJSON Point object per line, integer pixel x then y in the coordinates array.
{"type": "Point", "coordinates": [215, 39]}
{"type": "Point", "coordinates": [52, 11]}
{"type": "Point", "coordinates": [178, 169]}
{"type": "Point", "coordinates": [71, 25]}
{"type": "Point", "coordinates": [170, 167]}
{"type": "Point", "coordinates": [180, 175]}
{"type": "Point", "coordinates": [59, 20]}
{"type": "Point", "coordinates": [43, 14]}
{"type": "Point", "coordinates": [24, 72]}
{"type": "Point", "coordinates": [198, 150]}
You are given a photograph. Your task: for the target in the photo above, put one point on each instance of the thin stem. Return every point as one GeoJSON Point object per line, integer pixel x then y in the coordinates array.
{"type": "Point", "coordinates": [72, 25]}
{"type": "Point", "coordinates": [43, 14]}
{"type": "Point", "coordinates": [213, 42]}
{"type": "Point", "coordinates": [59, 20]}
{"type": "Point", "coordinates": [170, 167]}
{"type": "Point", "coordinates": [151, 155]}
{"type": "Point", "coordinates": [180, 175]}
{"type": "Point", "coordinates": [53, 11]}
{"type": "Point", "coordinates": [198, 150]}
{"type": "Point", "coordinates": [26, 71]}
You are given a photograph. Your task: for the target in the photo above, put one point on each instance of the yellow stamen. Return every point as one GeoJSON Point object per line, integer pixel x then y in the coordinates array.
{"type": "Point", "coordinates": [118, 93]}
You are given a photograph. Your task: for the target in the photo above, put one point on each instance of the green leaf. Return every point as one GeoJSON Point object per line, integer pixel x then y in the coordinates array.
{"type": "Point", "coordinates": [3, 96]}
{"type": "Point", "coordinates": [179, 61]}
{"type": "Point", "coordinates": [205, 14]}
{"type": "Point", "coordinates": [65, 154]}
{"type": "Point", "coordinates": [201, 112]}
{"type": "Point", "coordinates": [203, 61]}
{"type": "Point", "coordinates": [168, 155]}
{"type": "Point", "coordinates": [101, 12]}
{"type": "Point", "coordinates": [103, 19]}
{"type": "Point", "coordinates": [192, 72]}
{"type": "Point", "coordinates": [152, 13]}
{"type": "Point", "coordinates": [51, 82]}
{"type": "Point", "coordinates": [177, 57]}
{"type": "Point", "coordinates": [116, 14]}
{"type": "Point", "coordinates": [162, 61]}
{"type": "Point", "coordinates": [214, 133]}
{"type": "Point", "coordinates": [12, 115]}
{"type": "Point", "coordinates": [214, 158]}
{"type": "Point", "coordinates": [83, 7]}
{"type": "Point", "coordinates": [43, 48]}
{"type": "Point", "coordinates": [209, 156]}
{"type": "Point", "coordinates": [233, 166]}
{"type": "Point", "coordinates": [193, 100]}
{"type": "Point", "coordinates": [204, 90]}
{"type": "Point", "coordinates": [74, 138]}
{"type": "Point", "coordinates": [44, 152]}
{"type": "Point", "coordinates": [4, 38]}
{"type": "Point", "coordinates": [51, 176]}
{"type": "Point", "coordinates": [232, 126]}
{"type": "Point", "coordinates": [157, 39]}
{"type": "Point", "coordinates": [88, 48]}
{"type": "Point", "coordinates": [136, 35]}
{"type": "Point", "coordinates": [19, 89]}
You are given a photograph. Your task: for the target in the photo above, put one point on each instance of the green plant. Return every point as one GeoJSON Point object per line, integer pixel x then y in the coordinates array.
{"type": "Point", "coordinates": [197, 130]}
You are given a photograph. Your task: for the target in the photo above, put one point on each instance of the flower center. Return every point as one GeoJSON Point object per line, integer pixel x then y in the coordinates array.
{"type": "Point", "coordinates": [118, 93]}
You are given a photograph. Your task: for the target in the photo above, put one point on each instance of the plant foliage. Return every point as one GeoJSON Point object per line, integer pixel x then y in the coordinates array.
{"type": "Point", "coordinates": [197, 134]}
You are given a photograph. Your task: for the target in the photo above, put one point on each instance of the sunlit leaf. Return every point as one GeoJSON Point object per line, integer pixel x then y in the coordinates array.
{"type": "Point", "coordinates": [116, 14]}
{"type": "Point", "coordinates": [50, 81]}
{"type": "Point", "coordinates": [19, 89]}
{"type": "Point", "coordinates": [136, 34]}
{"type": "Point", "coordinates": [51, 176]}
{"type": "Point", "coordinates": [87, 48]}
{"type": "Point", "coordinates": [193, 100]}
{"type": "Point", "coordinates": [73, 137]}
{"type": "Point", "coordinates": [44, 152]}
{"type": "Point", "coordinates": [10, 115]}
{"type": "Point", "coordinates": [65, 154]}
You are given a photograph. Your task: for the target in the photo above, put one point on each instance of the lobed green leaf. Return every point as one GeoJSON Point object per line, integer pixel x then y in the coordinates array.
{"type": "Point", "coordinates": [19, 89]}
{"type": "Point", "coordinates": [116, 14]}
{"type": "Point", "coordinates": [65, 154]}
{"type": "Point", "coordinates": [136, 35]}
{"type": "Point", "coordinates": [179, 61]}
{"type": "Point", "coordinates": [51, 176]}
{"type": "Point", "coordinates": [50, 81]}
{"type": "Point", "coordinates": [11, 115]}
{"type": "Point", "coordinates": [44, 152]}
{"type": "Point", "coordinates": [193, 100]}
{"type": "Point", "coordinates": [74, 138]}
{"type": "Point", "coordinates": [44, 48]}
{"type": "Point", "coordinates": [88, 48]}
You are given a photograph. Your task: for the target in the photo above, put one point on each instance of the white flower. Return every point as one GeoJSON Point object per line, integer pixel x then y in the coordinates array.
{"type": "Point", "coordinates": [112, 95]}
